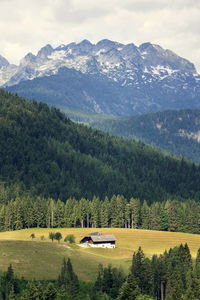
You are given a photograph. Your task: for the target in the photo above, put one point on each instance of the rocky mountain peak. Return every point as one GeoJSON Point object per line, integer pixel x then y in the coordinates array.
{"type": "Point", "coordinates": [3, 62]}
{"type": "Point", "coordinates": [84, 47]}
{"type": "Point", "coordinates": [45, 51]}
{"type": "Point", "coordinates": [107, 44]}
{"type": "Point", "coordinates": [124, 64]}
{"type": "Point", "coordinates": [28, 59]}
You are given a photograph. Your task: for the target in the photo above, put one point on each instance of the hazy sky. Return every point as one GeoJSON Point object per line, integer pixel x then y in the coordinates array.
{"type": "Point", "coordinates": [27, 25]}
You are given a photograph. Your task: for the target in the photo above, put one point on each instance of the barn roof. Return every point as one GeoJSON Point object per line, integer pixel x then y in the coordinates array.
{"type": "Point", "coordinates": [103, 238]}
{"type": "Point", "coordinates": [98, 237]}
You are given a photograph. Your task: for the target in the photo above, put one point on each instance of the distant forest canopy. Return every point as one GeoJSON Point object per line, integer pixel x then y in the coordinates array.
{"type": "Point", "coordinates": [116, 212]}
{"type": "Point", "coordinates": [45, 154]}
{"type": "Point", "coordinates": [174, 131]}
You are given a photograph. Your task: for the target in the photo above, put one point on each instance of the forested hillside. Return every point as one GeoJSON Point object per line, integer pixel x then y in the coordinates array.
{"type": "Point", "coordinates": [175, 131]}
{"type": "Point", "coordinates": [46, 154]}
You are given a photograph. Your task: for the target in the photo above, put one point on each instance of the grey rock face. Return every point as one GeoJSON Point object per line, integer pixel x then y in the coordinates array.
{"type": "Point", "coordinates": [153, 77]}
{"type": "Point", "coordinates": [3, 62]}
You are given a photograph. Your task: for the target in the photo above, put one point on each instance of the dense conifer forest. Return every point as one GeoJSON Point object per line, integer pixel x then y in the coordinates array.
{"type": "Point", "coordinates": [174, 131]}
{"type": "Point", "coordinates": [116, 212]}
{"type": "Point", "coordinates": [45, 154]}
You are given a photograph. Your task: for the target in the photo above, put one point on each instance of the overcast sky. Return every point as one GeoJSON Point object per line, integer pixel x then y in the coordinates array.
{"type": "Point", "coordinates": [27, 25]}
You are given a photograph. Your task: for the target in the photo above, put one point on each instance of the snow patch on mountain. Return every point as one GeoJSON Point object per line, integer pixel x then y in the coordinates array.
{"type": "Point", "coordinates": [190, 135]}
{"type": "Point", "coordinates": [126, 64]}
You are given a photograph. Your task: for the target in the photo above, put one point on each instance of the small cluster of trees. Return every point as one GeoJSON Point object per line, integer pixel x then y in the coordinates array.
{"type": "Point", "coordinates": [70, 238]}
{"type": "Point", "coordinates": [55, 236]}
{"type": "Point", "coordinates": [171, 215]}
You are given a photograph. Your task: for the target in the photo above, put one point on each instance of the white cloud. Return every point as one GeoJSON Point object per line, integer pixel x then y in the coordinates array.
{"type": "Point", "coordinates": [26, 26]}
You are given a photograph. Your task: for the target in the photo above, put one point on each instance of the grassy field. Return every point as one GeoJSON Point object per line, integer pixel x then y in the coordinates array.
{"type": "Point", "coordinates": [42, 259]}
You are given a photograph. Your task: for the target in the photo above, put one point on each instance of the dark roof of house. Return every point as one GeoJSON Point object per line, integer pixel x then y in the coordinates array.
{"type": "Point", "coordinates": [103, 238]}
{"type": "Point", "coordinates": [98, 237]}
{"type": "Point", "coordinates": [95, 233]}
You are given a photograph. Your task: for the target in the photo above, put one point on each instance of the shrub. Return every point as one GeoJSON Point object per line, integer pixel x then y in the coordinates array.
{"type": "Point", "coordinates": [32, 236]}
{"type": "Point", "coordinates": [58, 236]}
{"type": "Point", "coordinates": [70, 238]}
{"type": "Point", "coordinates": [52, 236]}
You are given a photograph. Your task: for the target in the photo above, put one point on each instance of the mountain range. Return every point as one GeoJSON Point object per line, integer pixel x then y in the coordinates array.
{"type": "Point", "coordinates": [107, 77]}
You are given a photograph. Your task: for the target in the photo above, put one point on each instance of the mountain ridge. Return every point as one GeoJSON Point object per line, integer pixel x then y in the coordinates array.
{"type": "Point", "coordinates": [48, 155]}
{"type": "Point", "coordinates": [177, 132]}
{"type": "Point", "coordinates": [151, 77]}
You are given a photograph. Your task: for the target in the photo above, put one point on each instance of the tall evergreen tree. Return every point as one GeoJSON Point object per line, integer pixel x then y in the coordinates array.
{"type": "Point", "coordinates": [68, 279]}
{"type": "Point", "coordinates": [135, 212]}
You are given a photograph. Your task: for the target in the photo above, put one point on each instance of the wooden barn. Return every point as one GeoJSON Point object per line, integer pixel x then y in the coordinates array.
{"type": "Point", "coordinates": [96, 239]}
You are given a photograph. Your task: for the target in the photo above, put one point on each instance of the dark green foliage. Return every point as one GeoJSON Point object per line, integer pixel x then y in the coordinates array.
{"type": "Point", "coordinates": [58, 236]}
{"type": "Point", "coordinates": [172, 131]}
{"type": "Point", "coordinates": [197, 265]}
{"type": "Point", "coordinates": [32, 235]}
{"type": "Point", "coordinates": [129, 290]}
{"type": "Point", "coordinates": [52, 236]}
{"type": "Point", "coordinates": [45, 154]}
{"type": "Point", "coordinates": [140, 271]}
{"type": "Point", "coordinates": [67, 280]}
{"type": "Point", "coordinates": [70, 238]}
{"type": "Point", "coordinates": [167, 277]}
{"type": "Point", "coordinates": [33, 291]}
{"type": "Point", "coordinates": [109, 280]}
{"type": "Point", "coordinates": [50, 292]}
{"type": "Point", "coordinates": [118, 211]}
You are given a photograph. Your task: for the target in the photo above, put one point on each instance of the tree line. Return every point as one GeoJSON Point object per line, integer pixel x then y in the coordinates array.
{"type": "Point", "coordinates": [117, 211]}
{"type": "Point", "coordinates": [170, 276]}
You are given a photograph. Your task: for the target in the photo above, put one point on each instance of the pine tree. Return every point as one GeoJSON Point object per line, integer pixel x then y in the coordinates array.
{"type": "Point", "coordinates": [99, 280]}
{"type": "Point", "coordinates": [135, 212]}
{"type": "Point", "coordinates": [104, 213]}
{"type": "Point", "coordinates": [129, 290]}
{"type": "Point", "coordinates": [141, 271]}
{"type": "Point", "coordinates": [68, 279]}
{"type": "Point", "coordinates": [59, 214]}
{"type": "Point", "coordinates": [11, 293]}
{"type": "Point", "coordinates": [164, 222]}
{"type": "Point", "coordinates": [127, 215]}
{"type": "Point", "coordinates": [197, 265]}
{"type": "Point", "coordinates": [154, 216]}
{"type": "Point", "coordinates": [83, 205]}
{"type": "Point", "coordinates": [49, 292]}
{"type": "Point", "coordinates": [145, 215]}
{"type": "Point", "coordinates": [171, 208]}
{"type": "Point", "coordinates": [34, 291]}
{"type": "Point", "coordinates": [69, 212]}
{"type": "Point", "coordinates": [95, 212]}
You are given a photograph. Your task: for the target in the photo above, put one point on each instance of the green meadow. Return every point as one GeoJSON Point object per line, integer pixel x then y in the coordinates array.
{"type": "Point", "coordinates": [41, 259]}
